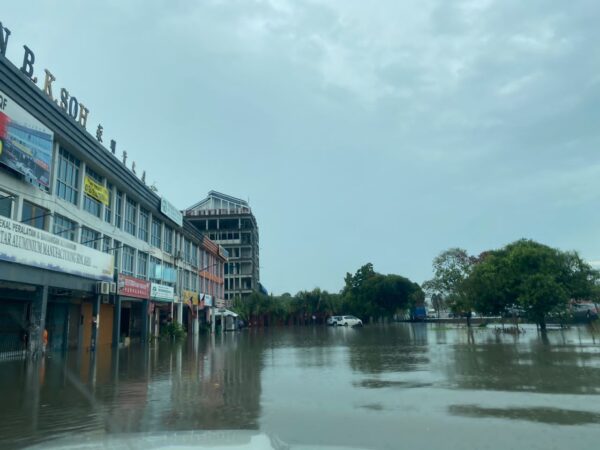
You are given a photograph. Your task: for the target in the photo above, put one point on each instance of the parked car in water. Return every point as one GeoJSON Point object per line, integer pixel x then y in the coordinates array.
{"type": "Point", "coordinates": [332, 320]}
{"type": "Point", "coordinates": [348, 321]}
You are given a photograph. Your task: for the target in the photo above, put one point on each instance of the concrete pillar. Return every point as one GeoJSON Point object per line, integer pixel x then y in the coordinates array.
{"type": "Point", "coordinates": [180, 312]}
{"type": "Point", "coordinates": [95, 321]}
{"type": "Point", "coordinates": [156, 330]}
{"type": "Point", "coordinates": [37, 321]}
{"type": "Point", "coordinates": [212, 320]}
{"type": "Point", "coordinates": [195, 321]}
{"type": "Point", "coordinates": [117, 322]}
{"type": "Point", "coordinates": [145, 321]}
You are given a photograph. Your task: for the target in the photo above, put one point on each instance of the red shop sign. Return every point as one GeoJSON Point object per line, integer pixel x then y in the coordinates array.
{"type": "Point", "coordinates": [133, 287]}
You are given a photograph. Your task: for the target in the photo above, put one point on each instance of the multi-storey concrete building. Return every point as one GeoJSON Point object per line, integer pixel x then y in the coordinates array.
{"type": "Point", "coordinates": [229, 222]}
{"type": "Point", "coordinates": [88, 251]}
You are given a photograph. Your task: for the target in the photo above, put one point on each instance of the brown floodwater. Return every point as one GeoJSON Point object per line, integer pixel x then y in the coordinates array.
{"type": "Point", "coordinates": [414, 386]}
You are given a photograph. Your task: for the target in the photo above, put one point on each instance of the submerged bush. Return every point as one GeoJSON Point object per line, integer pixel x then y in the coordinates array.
{"type": "Point", "coordinates": [174, 331]}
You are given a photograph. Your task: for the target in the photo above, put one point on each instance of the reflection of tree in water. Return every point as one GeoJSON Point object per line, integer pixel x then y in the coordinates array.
{"type": "Point", "coordinates": [554, 416]}
{"type": "Point", "coordinates": [393, 348]}
{"type": "Point", "coordinates": [530, 367]}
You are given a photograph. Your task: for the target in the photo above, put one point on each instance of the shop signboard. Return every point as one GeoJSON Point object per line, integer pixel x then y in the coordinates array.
{"type": "Point", "coordinates": [208, 300]}
{"type": "Point", "coordinates": [133, 287]}
{"type": "Point", "coordinates": [25, 144]}
{"type": "Point", "coordinates": [191, 296]}
{"type": "Point", "coordinates": [96, 190]}
{"type": "Point", "coordinates": [23, 244]}
{"type": "Point", "coordinates": [161, 292]}
{"type": "Point", "coordinates": [171, 212]}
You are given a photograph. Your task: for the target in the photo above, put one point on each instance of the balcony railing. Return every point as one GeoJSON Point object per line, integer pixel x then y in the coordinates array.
{"type": "Point", "coordinates": [217, 212]}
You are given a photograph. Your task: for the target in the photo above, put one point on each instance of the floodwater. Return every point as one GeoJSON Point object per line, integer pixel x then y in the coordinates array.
{"type": "Point", "coordinates": [413, 386]}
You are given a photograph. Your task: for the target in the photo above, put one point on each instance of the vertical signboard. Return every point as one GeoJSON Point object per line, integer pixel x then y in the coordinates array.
{"type": "Point", "coordinates": [25, 144]}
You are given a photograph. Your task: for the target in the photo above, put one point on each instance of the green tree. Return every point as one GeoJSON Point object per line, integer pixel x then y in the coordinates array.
{"type": "Point", "coordinates": [451, 268]}
{"type": "Point", "coordinates": [539, 279]}
{"type": "Point", "coordinates": [369, 294]}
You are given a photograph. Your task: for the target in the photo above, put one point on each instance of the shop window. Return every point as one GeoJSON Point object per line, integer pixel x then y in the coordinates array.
{"type": "Point", "coordinates": [130, 217]}
{"type": "Point", "coordinates": [90, 204]}
{"type": "Point", "coordinates": [194, 255]}
{"type": "Point", "coordinates": [106, 244]}
{"type": "Point", "coordinates": [90, 238]}
{"type": "Point", "coordinates": [67, 180]}
{"type": "Point", "coordinates": [119, 210]}
{"type": "Point", "coordinates": [6, 205]}
{"type": "Point", "coordinates": [34, 215]}
{"type": "Point", "coordinates": [128, 260]}
{"type": "Point", "coordinates": [108, 208]}
{"type": "Point", "coordinates": [155, 272]}
{"type": "Point", "coordinates": [156, 228]}
{"type": "Point", "coordinates": [187, 254]}
{"type": "Point", "coordinates": [143, 228]}
{"type": "Point", "coordinates": [168, 244]}
{"type": "Point", "coordinates": [117, 255]}
{"type": "Point", "coordinates": [142, 265]}
{"type": "Point", "coordinates": [64, 227]}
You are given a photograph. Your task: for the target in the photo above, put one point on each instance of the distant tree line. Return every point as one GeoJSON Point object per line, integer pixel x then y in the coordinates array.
{"type": "Point", "coordinates": [524, 277]}
{"type": "Point", "coordinates": [366, 294]}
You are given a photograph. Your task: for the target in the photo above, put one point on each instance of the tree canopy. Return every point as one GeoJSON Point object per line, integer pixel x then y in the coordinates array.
{"type": "Point", "coordinates": [366, 294]}
{"type": "Point", "coordinates": [533, 277]}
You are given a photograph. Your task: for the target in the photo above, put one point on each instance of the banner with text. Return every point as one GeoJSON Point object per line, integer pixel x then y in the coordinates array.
{"type": "Point", "coordinates": [26, 245]}
{"type": "Point", "coordinates": [96, 190]}
{"type": "Point", "coordinates": [161, 292]}
{"type": "Point", "coordinates": [191, 296]}
{"type": "Point", "coordinates": [133, 287]}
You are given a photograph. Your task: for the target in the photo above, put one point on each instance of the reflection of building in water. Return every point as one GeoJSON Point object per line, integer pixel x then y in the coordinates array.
{"type": "Point", "coordinates": [215, 386]}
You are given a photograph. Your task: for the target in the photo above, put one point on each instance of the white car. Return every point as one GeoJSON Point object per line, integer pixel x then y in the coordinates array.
{"type": "Point", "coordinates": [348, 321]}
{"type": "Point", "coordinates": [333, 320]}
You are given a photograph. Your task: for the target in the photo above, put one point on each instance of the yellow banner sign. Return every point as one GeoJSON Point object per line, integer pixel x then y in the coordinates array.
{"type": "Point", "coordinates": [190, 296]}
{"type": "Point", "coordinates": [96, 190]}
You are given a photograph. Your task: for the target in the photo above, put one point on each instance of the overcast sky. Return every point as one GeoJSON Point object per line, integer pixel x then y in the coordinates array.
{"type": "Point", "coordinates": [380, 132]}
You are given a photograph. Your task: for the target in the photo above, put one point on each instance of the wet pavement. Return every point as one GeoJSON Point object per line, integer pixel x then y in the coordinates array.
{"type": "Point", "coordinates": [396, 386]}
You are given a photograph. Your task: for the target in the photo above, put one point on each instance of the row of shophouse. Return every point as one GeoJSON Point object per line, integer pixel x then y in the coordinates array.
{"type": "Point", "coordinates": [88, 251]}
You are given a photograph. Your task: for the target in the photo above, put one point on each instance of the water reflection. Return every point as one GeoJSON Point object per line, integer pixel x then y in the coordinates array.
{"type": "Point", "coordinates": [553, 416]}
{"type": "Point", "coordinates": [390, 349]}
{"type": "Point", "coordinates": [317, 386]}
{"type": "Point", "coordinates": [528, 364]}
{"type": "Point", "coordinates": [214, 384]}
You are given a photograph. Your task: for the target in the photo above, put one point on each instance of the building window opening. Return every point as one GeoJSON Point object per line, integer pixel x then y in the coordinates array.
{"type": "Point", "coordinates": [119, 210]}
{"type": "Point", "coordinates": [130, 217]}
{"type": "Point", "coordinates": [156, 233]}
{"type": "Point", "coordinates": [35, 216]}
{"type": "Point", "coordinates": [142, 265]}
{"type": "Point", "coordinates": [90, 238]}
{"type": "Point", "coordinates": [6, 204]}
{"type": "Point", "coordinates": [64, 227]}
{"type": "Point", "coordinates": [128, 260]}
{"type": "Point", "coordinates": [90, 204]}
{"type": "Point", "coordinates": [67, 180]}
{"type": "Point", "coordinates": [143, 229]}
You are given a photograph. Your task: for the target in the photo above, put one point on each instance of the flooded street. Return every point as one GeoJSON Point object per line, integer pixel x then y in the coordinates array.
{"type": "Point", "coordinates": [398, 386]}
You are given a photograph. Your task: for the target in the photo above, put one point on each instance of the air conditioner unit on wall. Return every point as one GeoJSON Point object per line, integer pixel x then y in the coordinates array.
{"type": "Point", "coordinates": [103, 287]}
{"type": "Point", "coordinates": [113, 288]}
